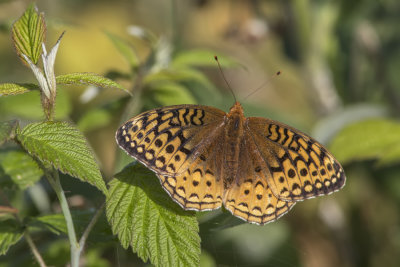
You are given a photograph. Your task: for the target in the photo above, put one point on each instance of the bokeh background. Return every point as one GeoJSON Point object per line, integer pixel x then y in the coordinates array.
{"type": "Point", "coordinates": [340, 65]}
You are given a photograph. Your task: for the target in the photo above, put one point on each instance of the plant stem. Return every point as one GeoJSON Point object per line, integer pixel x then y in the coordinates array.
{"type": "Point", "coordinates": [34, 249]}
{"type": "Point", "coordinates": [54, 181]}
{"type": "Point", "coordinates": [90, 226]}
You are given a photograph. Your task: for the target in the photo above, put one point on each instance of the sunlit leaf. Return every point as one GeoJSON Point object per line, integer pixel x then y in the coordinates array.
{"type": "Point", "coordinates": [7, 89]}
{"type": "Point", "coordinates": [63, 146]}
{"type": "Point", "coordinates": [330, 125]}
{"type": "Point", "coordinates": [28, 34]}
{"type": "Point", "coordinates": [371, 139]}
{"type": "Point", "coordinates": [86, 78]}
{"type": "Point", "coordinates": [143, 216]}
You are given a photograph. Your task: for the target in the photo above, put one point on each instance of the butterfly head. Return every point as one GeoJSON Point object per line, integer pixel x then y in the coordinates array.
{"type": "Point", "coordinates": [236, 110]}
{"type": "Point", "coordinates": [235, 120]}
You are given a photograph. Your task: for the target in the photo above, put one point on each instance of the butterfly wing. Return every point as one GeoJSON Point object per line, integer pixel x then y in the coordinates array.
{"type": "Point", "coordinates": [167, 140]}
{"type": "Point", "coordinates": [250, 197]}
{"type": "Point", "coordinates": [296, 166]}
{"type": "Point", "coordinates": [198, 187]}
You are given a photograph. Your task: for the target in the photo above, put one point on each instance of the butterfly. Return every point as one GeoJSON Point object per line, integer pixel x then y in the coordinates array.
{"type": "Point", "coordinates": [205, 158]}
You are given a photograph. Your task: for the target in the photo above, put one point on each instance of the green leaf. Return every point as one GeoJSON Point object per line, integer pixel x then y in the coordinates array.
{"type": "Point", "coordinates": [126, 49]}
{"type": "Point", "coordinates": [7, 89]}
{"type": "Point", "coordinates": [370, 139]}
{"type": "Point", "coordinates": [28, 34]}
{"type": "Point", "coordinates": [87, 78]}
{"type": "Point", "coordinates": [20, 167]}
{"type": "Point", "coordinates": [180, 75]}
{"type": "Point", "coordinates": [94, 119]}
{"type": "Point", "coordinates": [202, 58]}
{"type": "Point", "coordinates": [144, 217]}
{"type": "Point", "coordinates": [8, 130]}
{"type": "Point", "coordinates": [172, 94]}
{"type": "Point", "coordinates": [57, 225]}
{"type": "Point", "coordinates": [63, 146]}
{"type": "Point", "coordinates": [10, 233]}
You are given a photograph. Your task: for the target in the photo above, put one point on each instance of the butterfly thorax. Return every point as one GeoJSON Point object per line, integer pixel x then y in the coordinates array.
{"type": "Point", "coordinates": [234, 131]}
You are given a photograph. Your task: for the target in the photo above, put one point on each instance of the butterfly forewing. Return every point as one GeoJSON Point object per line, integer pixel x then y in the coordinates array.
{"type": "Point", "coordinates": [166, 140]}
{"type": "Point", "coordinates": [296, 166]}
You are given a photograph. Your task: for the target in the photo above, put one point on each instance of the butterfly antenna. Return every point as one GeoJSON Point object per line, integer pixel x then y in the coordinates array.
{"type": "Point", "coordinates": [264, 84]}
{"type": "Point", "coordinates": [223, 76]}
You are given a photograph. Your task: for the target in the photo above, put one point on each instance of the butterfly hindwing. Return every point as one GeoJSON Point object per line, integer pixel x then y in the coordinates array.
{"type": "Point", "coordinates": [197, 188]}
{"type": "Point", "coordinates": [253, 201]}
{"type": "Point", "coordinates": [249, 196]}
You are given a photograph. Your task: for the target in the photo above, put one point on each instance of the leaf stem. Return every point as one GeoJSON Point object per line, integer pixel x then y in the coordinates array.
{"type": "Point", "coordinates": [34, 249]}
{"type": "Point", "coordinates": [90, 226]}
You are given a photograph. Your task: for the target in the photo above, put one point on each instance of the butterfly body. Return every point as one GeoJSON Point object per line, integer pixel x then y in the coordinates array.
{"type": "Point", "coordinates": [256, 167]}
{"type": "Point", "coordinates": [233, 134]}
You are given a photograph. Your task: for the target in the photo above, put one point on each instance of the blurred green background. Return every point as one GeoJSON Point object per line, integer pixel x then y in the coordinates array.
{"type": "Point", "coordinates": [340, 83]}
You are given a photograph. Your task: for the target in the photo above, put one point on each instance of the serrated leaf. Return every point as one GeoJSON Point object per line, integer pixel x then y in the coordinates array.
{"type": "Point", "coordinates": [87, 78]}
{"type": "Point", "coordinates": [7, 130]}
{"type": "Point", "coordinates": [370, 139]}
{"type": "Point", "coordinates": [10, 234]}
{"type": "Point", "coordinates": [126, 49]}
{"type": "Point", "coordinates": [7, 89]}
{"type": "Point", "coordinates": [202, 58]}
{"type": "Point", "coordinates": [20, 167]}
{"type": "Point", "coordinates": [28, 34]}
{"type": "Point", "coordinates": [63, 146]}
{"type": "Point", "coordinates": [56, 224]}
{"type": "Point", "coordinates": [144, 217]}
